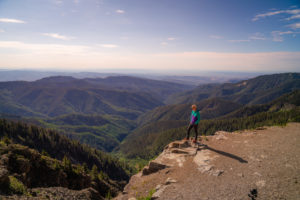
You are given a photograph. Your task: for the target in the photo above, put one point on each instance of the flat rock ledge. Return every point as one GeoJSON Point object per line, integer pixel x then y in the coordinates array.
{"type": "Point", "coordinates": [173, 154]}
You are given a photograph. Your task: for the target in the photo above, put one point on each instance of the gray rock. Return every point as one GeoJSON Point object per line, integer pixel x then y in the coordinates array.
{"type": "Point", "coordinates": [217, 172]}
{"type": "Point", "coordinates": [178, 144]}
{"type": "Point", "coordinates": [159, 192]}
{"type": "Point", "coordinates": [179, 151]}
{"type": "Point", "coordinates": [152, 168]}
{"type": "Point", "coordinates": [158, 187]}
{"type": "Point", "coordinates": [170, 180]}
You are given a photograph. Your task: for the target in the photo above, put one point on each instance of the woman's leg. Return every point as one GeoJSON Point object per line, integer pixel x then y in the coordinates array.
{"type": "Point", "coordinates": [196, 131]}
{"type": "Point", "coordinates": [188, 131]}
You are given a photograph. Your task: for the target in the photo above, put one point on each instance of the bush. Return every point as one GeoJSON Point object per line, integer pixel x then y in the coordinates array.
{"type": "Point", "coordinates": [16, 186]}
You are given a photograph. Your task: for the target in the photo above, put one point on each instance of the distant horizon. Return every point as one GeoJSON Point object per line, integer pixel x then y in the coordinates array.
{"type": "Point", "coordinates": [148, 71]}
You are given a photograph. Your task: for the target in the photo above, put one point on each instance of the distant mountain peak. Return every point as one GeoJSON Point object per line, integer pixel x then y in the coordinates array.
{"type": "Point", "coordinates": [57, 79]}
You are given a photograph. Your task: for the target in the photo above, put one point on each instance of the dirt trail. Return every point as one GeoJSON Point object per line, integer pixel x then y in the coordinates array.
{"type": "Point", "coordinates": [252, 164]}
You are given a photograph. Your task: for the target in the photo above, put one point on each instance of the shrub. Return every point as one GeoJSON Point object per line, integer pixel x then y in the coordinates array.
{"type": "Point", "coordinates": [16, 186]}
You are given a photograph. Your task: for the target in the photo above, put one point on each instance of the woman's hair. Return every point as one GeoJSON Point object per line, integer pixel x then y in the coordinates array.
{"type": "Point", "coordinates": [194, 106]}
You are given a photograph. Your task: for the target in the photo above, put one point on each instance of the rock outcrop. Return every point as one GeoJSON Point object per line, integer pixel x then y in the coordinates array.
{"type": "Point", "coordinates": [251, 164]}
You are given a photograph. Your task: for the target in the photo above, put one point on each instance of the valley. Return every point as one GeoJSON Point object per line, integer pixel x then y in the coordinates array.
{"type": "Point", "coordinates": [120, 123]}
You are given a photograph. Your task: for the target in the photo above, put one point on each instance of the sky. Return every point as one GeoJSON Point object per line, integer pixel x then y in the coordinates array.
{"type": "Point", "coordinates": [155, 35]}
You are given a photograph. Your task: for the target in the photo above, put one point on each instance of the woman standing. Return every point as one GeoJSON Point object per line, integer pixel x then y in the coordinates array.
{"type": "Point", "coordinates": [194, 121]}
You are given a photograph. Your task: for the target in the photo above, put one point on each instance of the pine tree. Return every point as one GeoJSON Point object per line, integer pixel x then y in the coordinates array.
{"type": "Point", "coordinates": [94, 172]}
{"type": "Point", "coordinates": [67, 163]}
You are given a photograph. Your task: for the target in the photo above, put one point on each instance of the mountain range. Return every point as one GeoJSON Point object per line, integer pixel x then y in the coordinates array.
{"type": "Point", "coordinates": [70, 123]}
{"type": "Point", "coordinates": [258, 90]}
{"type": "Point", "coordinates": [103, 111]}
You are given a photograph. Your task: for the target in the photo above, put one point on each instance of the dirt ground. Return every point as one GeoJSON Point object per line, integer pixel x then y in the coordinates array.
{"type": "Point", "coordinates": [252, 164]}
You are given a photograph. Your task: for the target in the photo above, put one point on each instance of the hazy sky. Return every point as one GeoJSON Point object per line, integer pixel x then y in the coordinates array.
{"type": "Point", "coordinates": [162, 35]}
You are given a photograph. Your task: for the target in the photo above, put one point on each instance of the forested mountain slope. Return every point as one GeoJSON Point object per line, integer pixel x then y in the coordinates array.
{"type": "Point", "coordinates": [259, 90]}
{"type": "Point", "coordinates": [209, 108]}
{"type": "Point", "coordinates": [96, 111]}
{"type": "Point", "coordinates": [147, 144]}
{"type": "Point", "coordinates": [103, 132]}
{"type": "Point", "coordinates": [54, 96]}
{"type": "Point", "coordinates": [58, 146]}
{"type": "Point", "coordinates": [32, 157]}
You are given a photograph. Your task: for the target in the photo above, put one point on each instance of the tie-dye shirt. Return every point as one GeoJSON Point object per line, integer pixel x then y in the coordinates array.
{"type": "Point", "coordinates": [195, 117]}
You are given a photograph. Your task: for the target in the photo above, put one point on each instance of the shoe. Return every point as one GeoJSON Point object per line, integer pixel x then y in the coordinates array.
{"type": "Point", "coordinates": [186, 139]}
{"type": "Point", "coordinates": [195, 141]}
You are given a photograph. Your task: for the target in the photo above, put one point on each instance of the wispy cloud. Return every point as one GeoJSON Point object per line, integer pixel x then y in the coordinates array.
{"type": "Point", "coordinates": [9, 20]}
{"type": "Point", "coordinates": [257, 36]}
{"type": "Point", "coordinates": [238, 40]}
{"type": "Point", "coordinates": [278, 35]}
{"type": "Point", "coordinates": [293, 17]}
{"type": "Point", "coordinates": [171, 38]}
{"type": "Point", "coordinates": [294, 26]}
{"type": "Point", "coordinates": [119, 11]}
{"type": "Point", "coordinates": [217, 37]}
{"type": "Point", "coordinates": [110, 46]}
{"type": "Point", "coordinates": [58, 36]}
{"type": "Point", "coordinates": [292, 12]}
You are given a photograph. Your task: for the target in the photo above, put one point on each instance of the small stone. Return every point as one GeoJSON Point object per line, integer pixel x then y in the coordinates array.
{"type": "Point", "coordinates": [158, 187]}
{"type": "Point", "coordinates": [218, 172]}
{"type": "Point", "coordinates": [263, 156]}
{"type": "Point", "coordinates": [257, 174]}
{"type": "Point", "coordinates": [221, 137]}
{"type": "Point", "coordinates": [159, 192]}
{"type": "Point", "coordinates": [240, 174]}
{"type": "Point", "coordinates": [205, 168]}
{"type": "Point", "coordinates": [260, 183]}
{"type": "Point", "coordinates": [170, 180]}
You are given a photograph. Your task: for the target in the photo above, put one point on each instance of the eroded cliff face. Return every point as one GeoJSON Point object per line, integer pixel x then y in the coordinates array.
{"type": "Point", "coordinates": [252, 164]}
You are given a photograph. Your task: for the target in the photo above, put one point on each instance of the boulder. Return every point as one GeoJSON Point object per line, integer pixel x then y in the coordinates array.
{"type": "Point", "coordinates": [179, 151]}
{"type": "Point", "coordinates": [178, 144]}
{"type": "Point", "coordinates": [170, 180]}
{"type": "Point", "coordinates": [152, 168]}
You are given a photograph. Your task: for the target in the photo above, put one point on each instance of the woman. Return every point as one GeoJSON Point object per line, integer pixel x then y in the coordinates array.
{"type": "Point", "coordinates": [194, 121]}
